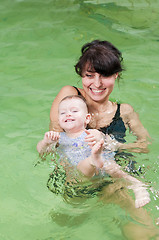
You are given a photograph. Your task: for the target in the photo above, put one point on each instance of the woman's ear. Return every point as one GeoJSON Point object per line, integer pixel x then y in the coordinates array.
{"type": "Point", "coordinates": [116, 75]}
{"type": "Point", "coordinates": [88, 118]}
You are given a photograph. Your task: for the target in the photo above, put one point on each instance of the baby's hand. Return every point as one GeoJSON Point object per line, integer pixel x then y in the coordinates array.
{"type": "Point", "coordinates": [51, 136]}
{"type": "Point", "coordinates": [93, 136]}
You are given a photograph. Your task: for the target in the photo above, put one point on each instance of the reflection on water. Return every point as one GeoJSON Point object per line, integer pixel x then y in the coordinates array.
{"type": "Point", "coordinates": [65, 179]}
{"type": "Point", "coordinates": [63, 219]}
{"type": "Point", "coordinates": [40, 43]}
{"type": "Point", "coordinates": [76, 191]}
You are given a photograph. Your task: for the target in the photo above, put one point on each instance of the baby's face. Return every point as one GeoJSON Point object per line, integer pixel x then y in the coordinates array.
{"type": "Point", "coordinates": [73, 115]}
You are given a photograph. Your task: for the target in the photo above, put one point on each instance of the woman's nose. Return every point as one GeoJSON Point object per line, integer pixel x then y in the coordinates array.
{"type": "Point", "coordinates": [97, 81]}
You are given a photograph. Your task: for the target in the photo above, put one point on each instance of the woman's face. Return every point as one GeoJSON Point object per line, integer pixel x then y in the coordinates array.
{"type": "Point", "coordinates": [98, 87]}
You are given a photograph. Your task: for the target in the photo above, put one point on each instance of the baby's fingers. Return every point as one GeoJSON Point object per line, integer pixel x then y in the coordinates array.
{"type": "Point", "coordinates": [55, 136]}
{"type": "Point", "coordinates": [47, 136]}
{"type": "Point", "coordinates": [51, 135]}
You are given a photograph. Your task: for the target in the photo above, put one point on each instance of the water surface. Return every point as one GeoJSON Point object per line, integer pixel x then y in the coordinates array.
{"type": "Point", "coordinates": [40, 42]}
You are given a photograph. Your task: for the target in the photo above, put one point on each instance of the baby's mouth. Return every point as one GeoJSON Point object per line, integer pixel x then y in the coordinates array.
{"type": "Point", "coordinates": [69, 120]}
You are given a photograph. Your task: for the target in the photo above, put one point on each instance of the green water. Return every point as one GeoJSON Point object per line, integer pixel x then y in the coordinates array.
{"type": "Point", "coordinates": [39, 44]}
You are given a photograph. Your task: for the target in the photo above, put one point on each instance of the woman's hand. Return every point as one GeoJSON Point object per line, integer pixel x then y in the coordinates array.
{"type": "Point", "coordinates": [110, 143]}
{"type": "Point", "coordinates": [93, 136]}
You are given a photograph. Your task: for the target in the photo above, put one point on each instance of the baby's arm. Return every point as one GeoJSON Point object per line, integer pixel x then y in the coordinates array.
{"type": "Point", "coordinates": [141, 194]}
{"type": "Point", "coordinates": [50, 138]}
{"type": "Point", "coordinates": [90, 165]}
{"type": "Point", "coordinates": [95, 140]}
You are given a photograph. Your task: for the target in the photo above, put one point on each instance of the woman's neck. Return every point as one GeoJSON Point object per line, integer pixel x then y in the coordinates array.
{"type": "Point", "coordinates": [97, 106]}
{"type": "Point", "coordinates": [100, 107]}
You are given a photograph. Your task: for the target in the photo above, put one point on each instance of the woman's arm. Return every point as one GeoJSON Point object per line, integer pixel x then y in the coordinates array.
{"type": "Point", "coordinates": [131, 120]}
{"type": "Point", "coordinates": [65, 91]}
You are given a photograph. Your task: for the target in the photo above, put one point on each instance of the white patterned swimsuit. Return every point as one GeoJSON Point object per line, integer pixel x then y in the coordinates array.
{"type": "Point", "coordinates": [76, 149]}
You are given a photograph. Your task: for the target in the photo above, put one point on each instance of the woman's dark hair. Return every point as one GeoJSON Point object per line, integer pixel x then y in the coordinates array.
{"type": "Point", "coordinates": [101, 57]}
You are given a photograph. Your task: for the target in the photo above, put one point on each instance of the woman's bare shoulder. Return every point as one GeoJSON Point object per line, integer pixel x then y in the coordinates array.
{"type": "Point", "coordinates": [131, 119]}
{"type": "Point", "coordinates": [126, 109]}
{"type": "Point", "coordinates": [127, 113]}
{"type": "Point", "coordinates": [68, 90]}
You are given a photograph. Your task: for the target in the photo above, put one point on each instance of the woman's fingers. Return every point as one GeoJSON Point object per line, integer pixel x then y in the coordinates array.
{"type": "Point", "coordinates": [89, 137]}
{"type": "Point", "coordinates": [87, 131]}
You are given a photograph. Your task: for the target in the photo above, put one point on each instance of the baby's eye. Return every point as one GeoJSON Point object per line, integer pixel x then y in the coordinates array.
{"type": "Point", "coordinates": [75, 111]}
{"type": "Point", "coordinates": [62, 113]}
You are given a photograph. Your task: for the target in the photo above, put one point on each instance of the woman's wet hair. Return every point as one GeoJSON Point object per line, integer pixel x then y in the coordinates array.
{"type": "Point", "coordinates": [101, 57]}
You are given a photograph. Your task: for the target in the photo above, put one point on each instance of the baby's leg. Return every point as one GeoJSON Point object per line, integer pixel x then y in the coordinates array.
{"type": "Point", "coordinates": [141, 194]}
{"type": "Point", "coordinates": [142, 226]}
{"type": "Point", "coordinates": [96, 154]}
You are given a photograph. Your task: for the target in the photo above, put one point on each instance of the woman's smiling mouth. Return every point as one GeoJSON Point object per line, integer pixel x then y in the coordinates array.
{"type": "Point", "coordinates": [97, 91]}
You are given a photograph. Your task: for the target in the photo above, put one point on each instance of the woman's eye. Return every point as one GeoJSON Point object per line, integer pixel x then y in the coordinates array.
{"type": "Point", "coordinates": [89, 75]}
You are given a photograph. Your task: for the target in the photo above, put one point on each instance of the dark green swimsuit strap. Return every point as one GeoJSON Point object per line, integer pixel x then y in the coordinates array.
{"type": "Point", "coordinates": [79, 93]}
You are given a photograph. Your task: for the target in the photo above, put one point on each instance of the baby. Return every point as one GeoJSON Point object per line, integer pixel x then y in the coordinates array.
{"type": "Point", "coordinates": [84, 148]}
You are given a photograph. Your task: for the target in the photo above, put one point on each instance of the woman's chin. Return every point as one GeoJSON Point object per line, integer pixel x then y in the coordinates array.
{"type": "Point", "coordinates": [98, 97]}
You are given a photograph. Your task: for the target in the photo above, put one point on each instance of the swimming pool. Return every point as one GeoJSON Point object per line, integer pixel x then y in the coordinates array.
{"type": "Point", "coordinates": [40, 43]}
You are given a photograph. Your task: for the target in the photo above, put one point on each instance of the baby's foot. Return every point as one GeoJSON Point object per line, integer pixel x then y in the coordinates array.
{"type": "Point", "coordinates": [142, 197]}
{"type": "Point", "coordinates": [96, 157]}
{"type": "Point", "coordinates": [142, 202]}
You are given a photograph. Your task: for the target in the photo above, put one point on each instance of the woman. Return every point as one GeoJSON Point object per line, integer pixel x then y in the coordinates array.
{"type": "Point", "coordinates": [99, 66]}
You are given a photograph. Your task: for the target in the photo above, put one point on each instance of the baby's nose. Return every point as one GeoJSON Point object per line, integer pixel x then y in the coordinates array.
{"type": "Point", "coordinates": [68, 114]}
